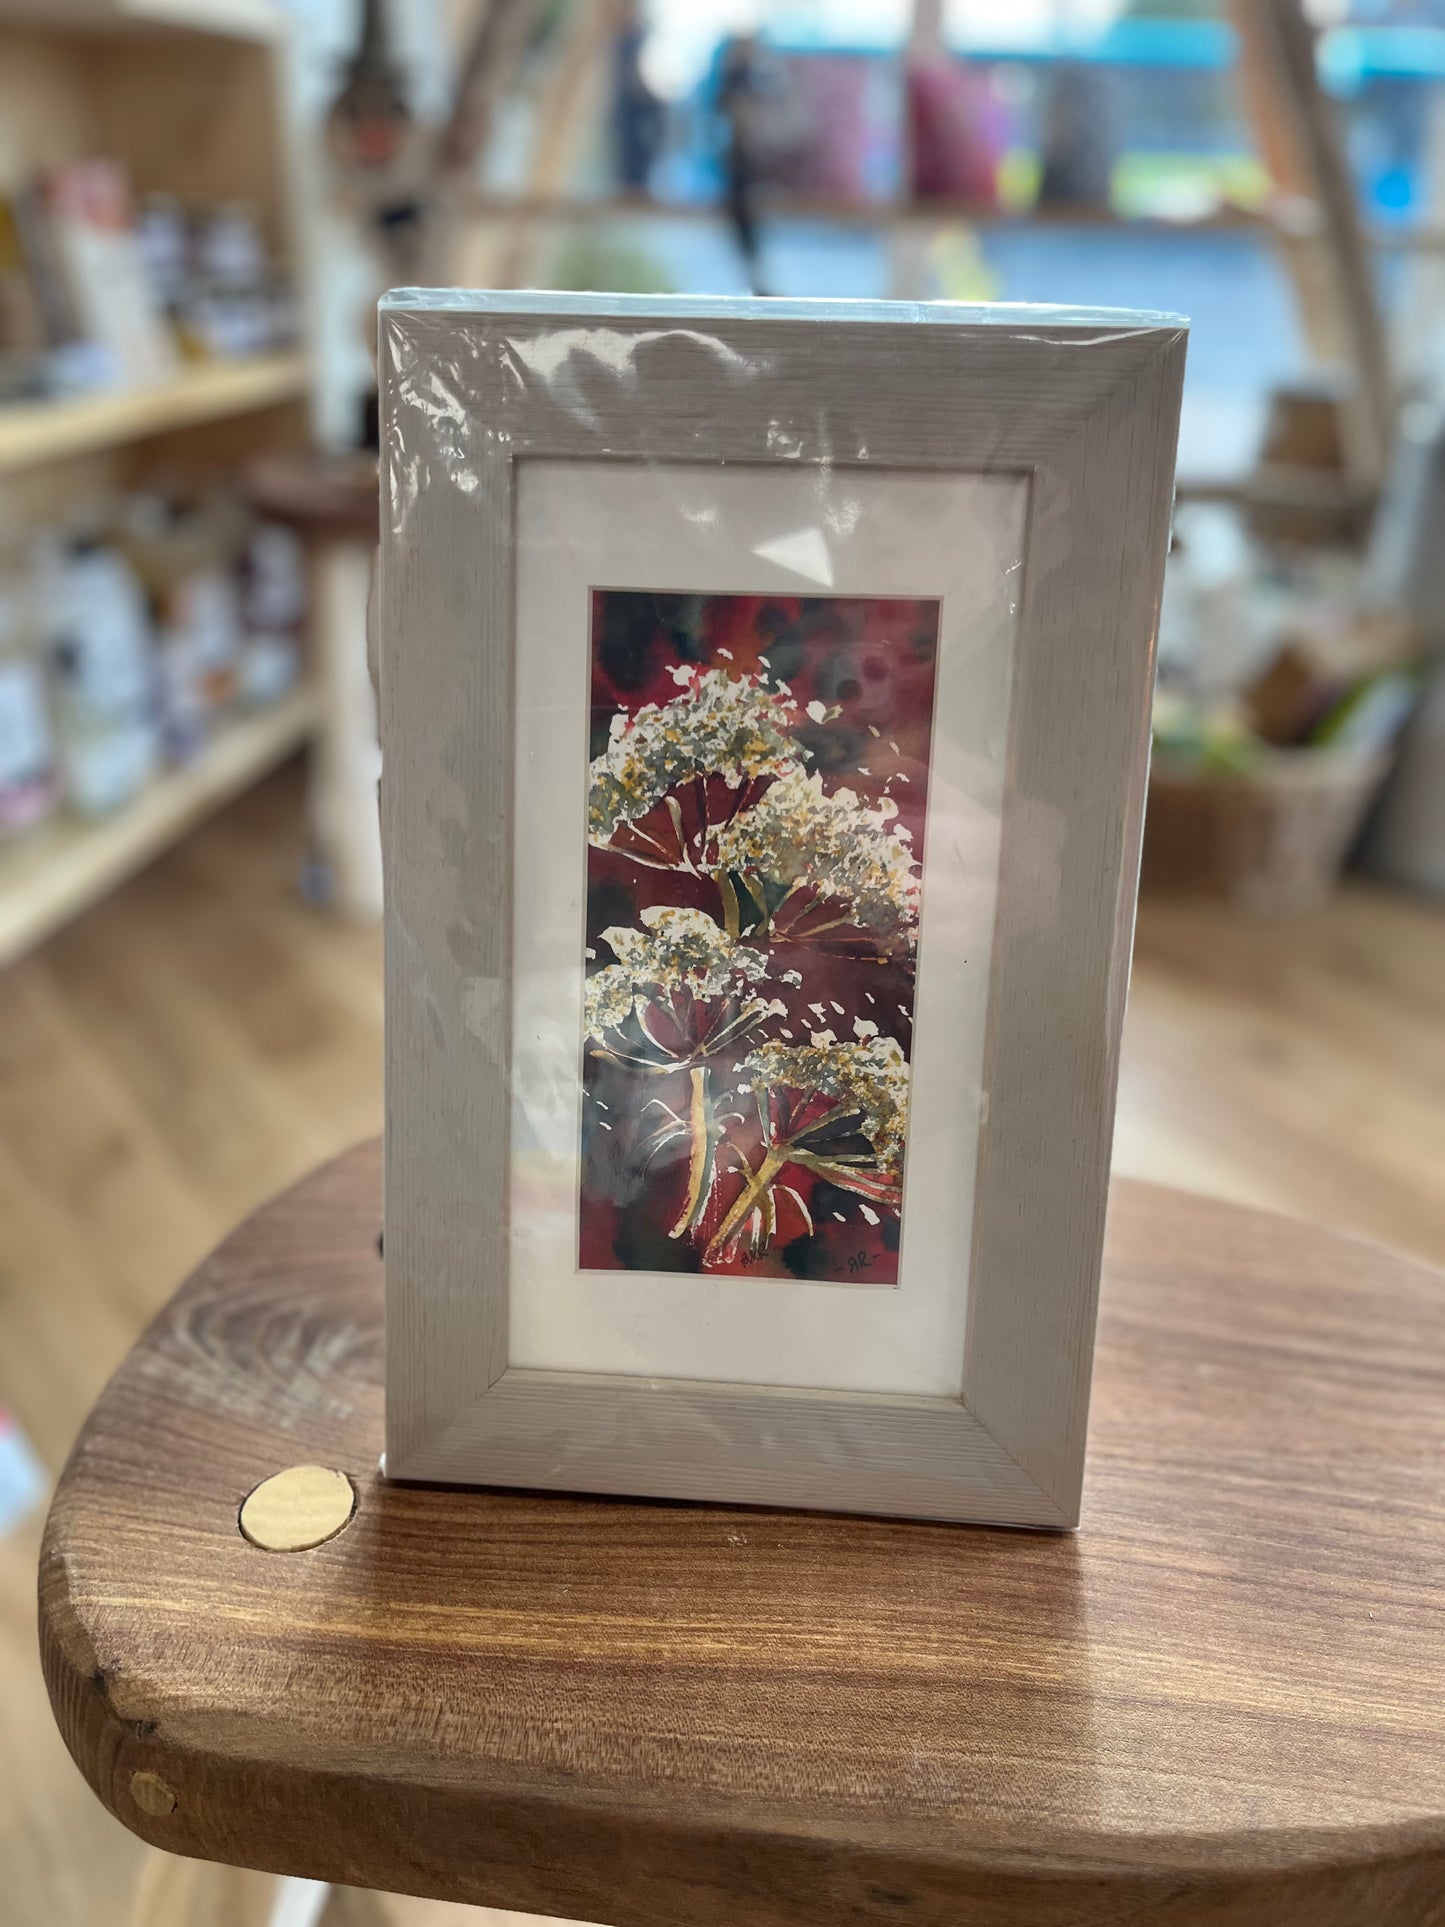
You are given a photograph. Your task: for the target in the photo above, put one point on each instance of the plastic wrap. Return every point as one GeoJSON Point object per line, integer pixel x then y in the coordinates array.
{"type": "Point", "coordinates": [765, 692]}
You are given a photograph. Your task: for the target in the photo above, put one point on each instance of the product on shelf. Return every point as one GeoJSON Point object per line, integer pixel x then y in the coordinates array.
{"type": "Point", "coordinates": [273, 609]}
{"type": "Point", "coordinates": [29, 774]}
{"type": "Point", "coordinates": [128, 636]}
{"type": "Point", "coordinates": [182, 554]}
{"type": "Point", "coordinates": [100, 649]}
{"type": "Point", "coordinates": [112, 296]}
{"type": "Point", "coordinates": [22, 325]}
{"type": "Point", "coordinates": [94, 295]}
{"type": "Point", "coordinates": [37, 258]}
{"type": "Point", "coordinates": [958, 132]}
{"type": "Point", "coordinates": [23, 1483]}
{"type": "Point", "coordinates": [211, 270]}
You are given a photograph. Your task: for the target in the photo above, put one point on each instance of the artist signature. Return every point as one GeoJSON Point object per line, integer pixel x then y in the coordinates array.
{"type": "Point", "coordinates": [860, 1260]}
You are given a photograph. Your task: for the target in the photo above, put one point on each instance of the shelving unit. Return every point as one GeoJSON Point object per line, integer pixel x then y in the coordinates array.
{"type": "Point", "coordinates": [188, 94]}
{"type": "Point", "coordinates": [70, 864]}
{"type": "Point", "coordinates": [1311, 218]}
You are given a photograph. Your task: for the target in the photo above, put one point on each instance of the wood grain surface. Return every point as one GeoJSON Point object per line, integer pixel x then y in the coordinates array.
{"type": "Point", "coordinates": [1220, 1702]}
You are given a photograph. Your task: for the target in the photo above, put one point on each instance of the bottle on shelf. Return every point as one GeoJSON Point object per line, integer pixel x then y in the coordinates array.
{"type": "Point", "coordinates": [184, 555]}
{"type": "Point", "coordinates": [99, 646]}
{"type": "Point", "coordinates": [29, 769]}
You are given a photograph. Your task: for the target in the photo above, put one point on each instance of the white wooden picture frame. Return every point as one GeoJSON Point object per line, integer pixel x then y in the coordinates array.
{"type": "Point", "coordinates": [491, 401]}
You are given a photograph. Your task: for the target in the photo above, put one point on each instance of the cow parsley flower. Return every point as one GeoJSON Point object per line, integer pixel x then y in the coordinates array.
{"type": "Point", "coordinates": [719, 725]}
{"type": "Point", "coordinates": [868, 1079]}
{"type": "Point", "coordinates": [799, 835]}
{"type": "Point", "coordinates": [678, 951]}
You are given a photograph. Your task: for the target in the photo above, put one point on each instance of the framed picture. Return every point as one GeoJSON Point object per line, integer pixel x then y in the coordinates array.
{"type": "Point", "coordinates": [765, 691]}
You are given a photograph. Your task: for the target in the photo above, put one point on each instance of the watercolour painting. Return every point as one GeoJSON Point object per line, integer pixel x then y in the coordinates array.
{"type": "Point", "coordinates": [758, 790]}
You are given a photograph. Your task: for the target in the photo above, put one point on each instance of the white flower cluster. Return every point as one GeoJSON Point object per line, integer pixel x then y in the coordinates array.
{"type": "Point", "coordinates": [719, 725]}
{"type": "Point", "coordinates": [678, 949]}
{"type": "Point", "coordinates": [799, 833]}
{"type": "Point", "coordinates": [869, 1077]}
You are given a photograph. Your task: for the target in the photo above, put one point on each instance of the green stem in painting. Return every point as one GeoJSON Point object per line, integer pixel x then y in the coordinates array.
{"type": "Point", "coordinates": [702, 1137]}
{"type": "Point", "coordinates": [732, 914]}
{"type": "Point", "coordinates": [757, 1185]}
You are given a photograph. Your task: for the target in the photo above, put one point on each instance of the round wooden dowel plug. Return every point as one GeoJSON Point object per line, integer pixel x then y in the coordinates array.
{"type": "Point", "coordinates": [301, 1507]}
{"type": "Point", "coordinates": [152, 1795]}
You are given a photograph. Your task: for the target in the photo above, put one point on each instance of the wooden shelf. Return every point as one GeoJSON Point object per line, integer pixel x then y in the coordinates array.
{"type": "Point", "coordinates": [59, 871]}
{"type": "Point", "coordinates": [792, 207]}
{"type": "Point", "coordinates": [582, 210]}
{"type": "Point", "coordinates": [34, 433]}
{"type": "Point", "coordinates": [226, 19]}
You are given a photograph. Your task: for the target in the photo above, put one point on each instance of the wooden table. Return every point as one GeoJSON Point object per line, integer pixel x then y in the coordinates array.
{"type": "Point", "coordinates": [1222, 1701]}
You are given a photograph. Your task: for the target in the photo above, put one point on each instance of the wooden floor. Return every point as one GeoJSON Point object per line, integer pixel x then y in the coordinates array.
{"type": "Point", "coordinates": [203, 1038]}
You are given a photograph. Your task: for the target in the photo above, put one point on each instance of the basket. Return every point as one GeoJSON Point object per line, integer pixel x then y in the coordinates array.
{"type": "Point", "coordinates": [1272, 841]}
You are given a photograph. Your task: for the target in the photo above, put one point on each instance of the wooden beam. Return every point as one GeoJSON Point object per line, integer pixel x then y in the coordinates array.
{"type": "Point", "coordinates": [1297, 130]}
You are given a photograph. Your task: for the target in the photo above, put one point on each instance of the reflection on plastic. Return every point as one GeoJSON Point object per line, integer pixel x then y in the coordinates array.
{"type": "Point", "coordinates": [758, 651]}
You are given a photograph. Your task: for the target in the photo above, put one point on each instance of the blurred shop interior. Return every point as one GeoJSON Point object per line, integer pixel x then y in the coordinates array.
{"type": "Point", "coordinates": [200, 201]}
